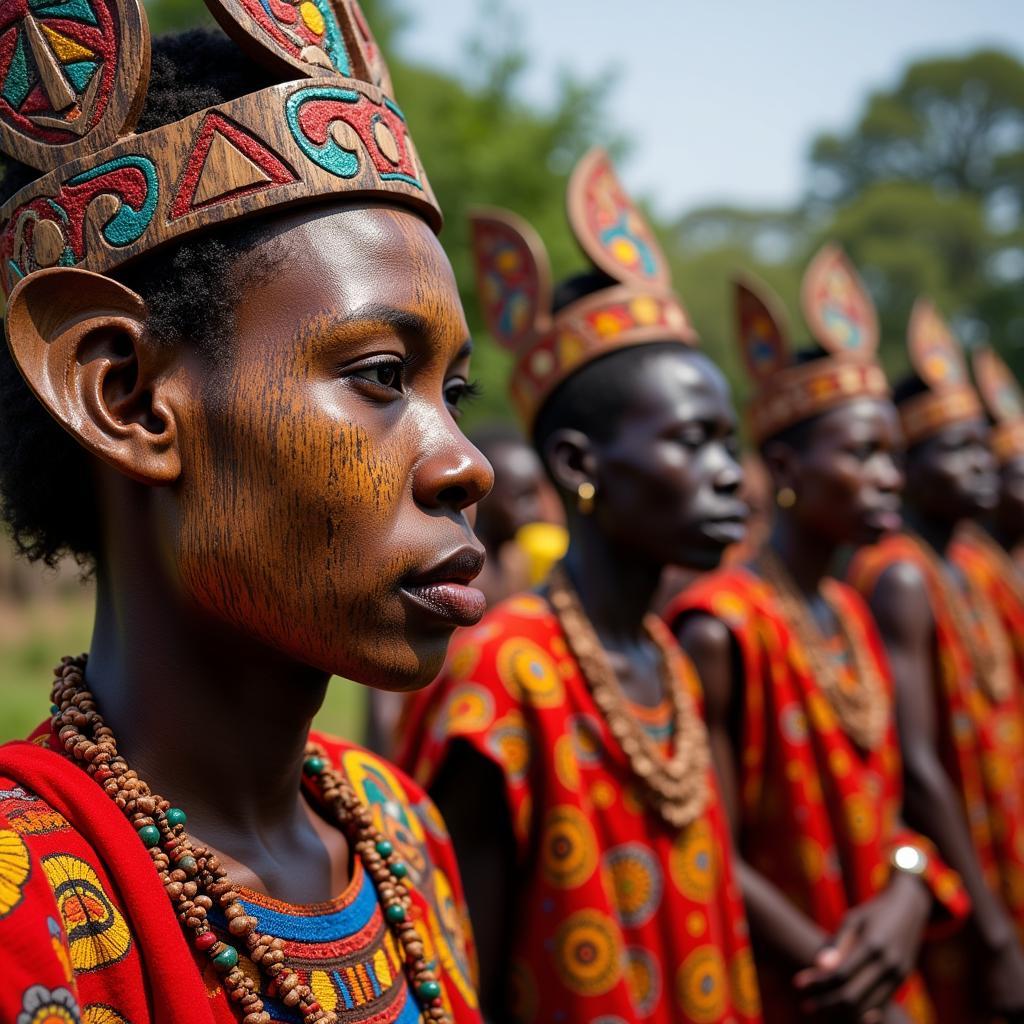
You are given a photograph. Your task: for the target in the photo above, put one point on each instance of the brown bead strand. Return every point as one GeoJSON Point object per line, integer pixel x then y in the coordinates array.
{"type": "Point", "coordinates": [676, 787]}
{"type": "Point", "coordinates": [864, 710]}
{"type": "Point", "coordinates": [987, 646]}
{"type": "Point", "coordinates": [195, 881]}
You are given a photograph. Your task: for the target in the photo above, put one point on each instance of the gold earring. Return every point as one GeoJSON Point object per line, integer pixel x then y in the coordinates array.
{"type": "Point", "coordinates": [585, 498]}
{"type": "Point", "coordinates": [786, 498]}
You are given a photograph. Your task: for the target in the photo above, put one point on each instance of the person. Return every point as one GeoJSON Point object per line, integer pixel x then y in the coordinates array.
{"type": "Point", "coordinates": [246, 429]}
{"type": "Point", "coordinates": [982, 550]}
{"type": "Point", "coordinates": [521, 497]}
{"type": "Point", "coordinates": [564, 741]}
{"type": "Point", "coordinates": [958, 711]}
{"type": "Point", "coordinates": [797, 689]}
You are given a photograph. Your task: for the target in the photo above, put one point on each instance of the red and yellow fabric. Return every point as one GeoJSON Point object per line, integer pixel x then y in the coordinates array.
{"type": "Point", "coordinates": [802, 777]}
{"type": "Point", "coordinates": [87, 935]}
{"type": "Point", "coordinates": [622, 918]}
{"type": "Point", "coordinates": [980, 745]}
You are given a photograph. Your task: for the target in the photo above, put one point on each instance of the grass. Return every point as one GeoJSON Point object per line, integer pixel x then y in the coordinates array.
{"type": "Point", "coordinates": [36, 632]}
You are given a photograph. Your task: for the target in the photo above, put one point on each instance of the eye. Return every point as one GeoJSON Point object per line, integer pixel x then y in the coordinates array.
{"type": "Point", "coordinates": [459, 392]}
{"type": "Point", "coordinates": [693, 437]}
{"type": "Point", "coordinates": [386, 374]}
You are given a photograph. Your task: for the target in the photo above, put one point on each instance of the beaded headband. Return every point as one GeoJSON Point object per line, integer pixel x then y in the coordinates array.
{"type": "Point", "coordinates": [1004, 402]}
{"type": "Point", "coordinates": [939, 362]}
{"type": "Point", "coordinates": [73, 79]}
{"type": "Point", "coordinates": [842, 320]}
{"type": "Point", "coordinates": [514, 282]}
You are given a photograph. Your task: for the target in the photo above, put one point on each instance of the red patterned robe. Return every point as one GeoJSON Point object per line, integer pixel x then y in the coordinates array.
{"type": "Point", "coordinates": [88, 936]}
{"type": "Point", "coordinates": [622, 918]}
{"type": "Point", "coordinates": [980, 744]}
{"type": "Point", "coordinates": [802, 778]}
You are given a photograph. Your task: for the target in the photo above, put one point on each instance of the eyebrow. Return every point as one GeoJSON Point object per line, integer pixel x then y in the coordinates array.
{"type": "Point", "coordinates": [400, 320]}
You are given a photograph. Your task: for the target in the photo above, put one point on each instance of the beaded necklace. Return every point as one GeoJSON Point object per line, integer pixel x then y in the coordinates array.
{"type": "Point", "coordinates": [862, 708]}
{"type": "Point", "coordinates": [676, 787]}
{"type": "Point", "coordinates": [195, 880]}
{"type": "Point", "coordinates": [987, 646]}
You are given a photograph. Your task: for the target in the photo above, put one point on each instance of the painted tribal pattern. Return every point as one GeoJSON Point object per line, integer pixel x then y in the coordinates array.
{"type": "Point", "coordinates": [70, 955]}
{"type": "Point", "coordinates": [802, 776]}
{"type": "Point", "coordinates": [605, 872]}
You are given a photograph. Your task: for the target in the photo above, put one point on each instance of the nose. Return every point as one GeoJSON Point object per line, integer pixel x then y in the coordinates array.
{"type": "Point", "coordinates": [890, 475]}
{"type": "Point", "coordinates": [453, 475]}
{"type": "Point", "coordinates": [728, 473]}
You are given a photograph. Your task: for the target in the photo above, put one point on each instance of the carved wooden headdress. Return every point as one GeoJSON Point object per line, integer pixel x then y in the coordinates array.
{"type": "Point", "coordinates": [1004, 402]}
{"type": "Point", "coordinates": [73, 78]}
{"type": "Point", "coordinates": [514, 282]}
{"type": "Point", "coordinates": [842, 320]}
{"type": "Point", "coordinates": [938, 361]}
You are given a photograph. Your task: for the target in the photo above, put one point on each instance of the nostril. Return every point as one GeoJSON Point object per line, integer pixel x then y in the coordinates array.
{"type": "Point", "coordinates": [454, 497]}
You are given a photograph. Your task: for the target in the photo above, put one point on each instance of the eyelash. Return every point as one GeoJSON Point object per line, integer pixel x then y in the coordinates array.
{"type": "Point", "coordinates": [468, 391]}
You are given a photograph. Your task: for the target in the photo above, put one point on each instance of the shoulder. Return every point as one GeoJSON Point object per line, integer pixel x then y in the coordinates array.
{"type": "Point", "coordinates": [729, 594]}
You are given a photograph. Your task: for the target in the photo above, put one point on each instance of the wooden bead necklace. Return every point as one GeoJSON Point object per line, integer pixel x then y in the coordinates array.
{"type": "Point", "coordinates": [863, 708]}
{"type": "Point", "coordinates": [987, 645]}
{"type": "Point", "coordinates": [677, 786]}
{"type": "Point", "coordinates": [195, 881]}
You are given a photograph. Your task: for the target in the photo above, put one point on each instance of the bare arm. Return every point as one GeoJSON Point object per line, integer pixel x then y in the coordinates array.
{"type": "Point", "coordinates": [777, 924]}
{"type": "Point", "coordinates": [470, 794]}
{"type": "Point", "coordinates": [932, 805]}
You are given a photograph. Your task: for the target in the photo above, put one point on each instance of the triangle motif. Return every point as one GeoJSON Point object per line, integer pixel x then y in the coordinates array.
{"type": "Point", "coordinates": [66, 48]}
{"type": "Point", "coordinates": [226, 162]}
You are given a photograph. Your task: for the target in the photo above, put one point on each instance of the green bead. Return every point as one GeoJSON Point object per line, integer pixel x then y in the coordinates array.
{"type": "Point", "coordinates": [187, 864]}
{"type": "Point", "coordinates": [54, 709]}
{"type": "Point", "coordinates": [314, 765]}
{"type": "Point", "coordinates": [149, 834]}
{"type": "Point", "coordinates": [226, 958]}
{"type": "Point", "coordinates": [176, 816]}
{"type": "Point", "coordinates": [395, 913]}
{"type": "Point", "coordinates": [398, 869]}
{"type": "Point", "coordinates": [428, 990]}
{"type": "Point", "coordinates": [384, 848]}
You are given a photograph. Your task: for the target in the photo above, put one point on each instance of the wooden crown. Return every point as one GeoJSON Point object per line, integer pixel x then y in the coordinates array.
{"type": "Point", "coordinates": [73, 79]}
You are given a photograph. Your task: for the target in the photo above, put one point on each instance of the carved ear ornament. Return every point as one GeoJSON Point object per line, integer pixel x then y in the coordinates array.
{"type": "Point", "coordinates": [842, 320]}
{"type": "Point", "coordinates": [1004, 402]}
{"type": "Point", "coordinates": [515, 287]}
{"type": "Point", "coordinates": [73, 79]}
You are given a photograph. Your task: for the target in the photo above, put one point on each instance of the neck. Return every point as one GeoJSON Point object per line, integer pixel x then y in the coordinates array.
{"type": "Point", "coordinates": [615, 586]}
{"type": "Point", "coordinates": [806, 555]}
{"type": "Point", "coordinates": [937, 533]}
{"type": "Point", "coordinates": [212, 721]}
{"type": "Point", "coordinates": [1006, 537]}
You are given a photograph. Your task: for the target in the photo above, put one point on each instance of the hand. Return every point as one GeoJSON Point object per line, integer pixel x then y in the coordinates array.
{"type": "Point", "coordinates": [870, 955]}
{"type": "Point", "coordinates": [1004, 981]}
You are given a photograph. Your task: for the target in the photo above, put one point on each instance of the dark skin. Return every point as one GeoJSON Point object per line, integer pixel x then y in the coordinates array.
{"type": "Point", "coordinates": [950, 478]}
{"type": "Point", "coordinates": [847, 484]}
{"type": "Point", "coordinates": [267, 522]}
{"type": "Point", "coordinates": [667, 487]}
{"type": "Point", "coordinates": [1006, 523]}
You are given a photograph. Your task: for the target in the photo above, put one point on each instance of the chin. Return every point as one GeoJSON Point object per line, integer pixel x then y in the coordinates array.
{"type": "Point", "coordinates": [403, 669]}
{"type": "Point", "coordinates": [701, 558]}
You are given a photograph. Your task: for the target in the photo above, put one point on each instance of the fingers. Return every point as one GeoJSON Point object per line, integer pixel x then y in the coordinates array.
{"type": "Point", "coordinates": [830, 957]}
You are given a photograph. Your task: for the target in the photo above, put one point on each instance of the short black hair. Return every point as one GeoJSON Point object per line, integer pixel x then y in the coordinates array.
{"type": "Point", "coordinates": [46, 488]}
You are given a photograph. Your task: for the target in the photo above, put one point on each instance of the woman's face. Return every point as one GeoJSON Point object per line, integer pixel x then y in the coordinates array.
{"type": "Point", "coordinates": [321, 507]}
{"type": "Point", "coordinates": [846, 473]}
{"type": "Point", "coordinates": [668, 481]}
{"type": "Point", "coordinates": [951, 475]}
{"type": "Point", "coordinates": [1010, 510]}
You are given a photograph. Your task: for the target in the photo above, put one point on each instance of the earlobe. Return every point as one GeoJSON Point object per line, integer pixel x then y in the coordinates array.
{"type": "Point", "coordinates": [79, 340]}
{"type": "Point", "coordinates": [570, 457]}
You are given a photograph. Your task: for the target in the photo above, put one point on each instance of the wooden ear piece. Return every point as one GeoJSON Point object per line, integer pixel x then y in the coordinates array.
{"type": "Point", "coordinates": [71, 332]}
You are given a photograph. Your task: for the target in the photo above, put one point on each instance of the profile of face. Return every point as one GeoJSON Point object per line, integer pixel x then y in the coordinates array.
{"type": "Point", "coordinates": [518, 495]}
{"type": "Point", "coordinates": [951, 475]}
{"type": "Point", "coordinates": [1010, 509]}
{"type": "Point", "coordinates": [668, 479]}
{"type": "Point", "coordinates": [316, 481]}
{"type": "Point", "coordinates": [844, 469]}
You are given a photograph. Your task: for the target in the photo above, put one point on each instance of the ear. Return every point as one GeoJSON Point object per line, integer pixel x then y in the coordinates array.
{"type": "Point", "coordinates": [80, 341]}
{"type": "Point", "coordinates": [782, 464]}
{"type": "Point", "coordinates": [570, 457]}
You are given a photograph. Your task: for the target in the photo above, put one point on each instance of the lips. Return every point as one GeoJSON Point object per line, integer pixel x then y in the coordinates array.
{"type": "Point", "coordinates": [883, 519]}
{"type": "Point", "coordinates": [443, 593]}
{"type": "Point", "coordinates": [728, 527]}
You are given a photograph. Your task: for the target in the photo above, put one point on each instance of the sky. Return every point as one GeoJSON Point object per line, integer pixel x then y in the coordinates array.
{"type": "Point", "coordinates": [720, 98]}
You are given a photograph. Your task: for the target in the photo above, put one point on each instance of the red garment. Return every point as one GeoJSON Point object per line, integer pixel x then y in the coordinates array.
{"type": "Point", "coordinates": [803, 778]}
{"type": "Point", "coordinates": [88, 936]}
{"type": "Point", "coordinates": [980, 743]}
{"type": "Point", "coordinates": [622, 918]}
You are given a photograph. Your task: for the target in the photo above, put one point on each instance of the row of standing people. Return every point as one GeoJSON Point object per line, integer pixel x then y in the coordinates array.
{"type": "Point", "coordinates": [864, 811]}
